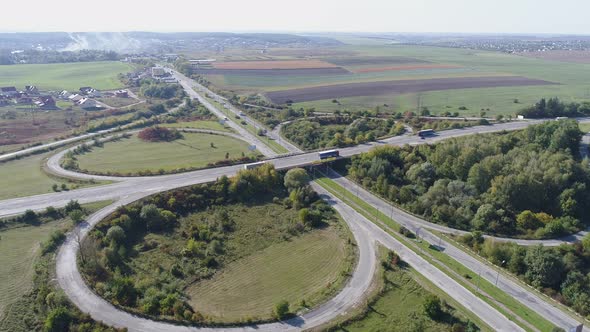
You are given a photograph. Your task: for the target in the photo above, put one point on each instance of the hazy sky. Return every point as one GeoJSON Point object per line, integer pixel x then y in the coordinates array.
{"type": "Point", "coordinates": [504, 16]}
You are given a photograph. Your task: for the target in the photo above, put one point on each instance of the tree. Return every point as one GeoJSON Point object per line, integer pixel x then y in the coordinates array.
{"type": "Point", "coordinates": [58, 320]}
{"type": "Point", "coordinates": [544, 267]}
{"type": "Point", "coordinates": [281, 310]}
{"type": "Point", "coordinates": [123, 290]}
{"type": "Point", "coordinates": [77, 216]}
{"type": "Point", "coordinates": [432, 306]}
{"type": "Point", "coordinates": [72, 205]}
{"type": "Point", "coordinates": [116, 235]}
{"type": "Point", "coordinates": [296, 178]}
{"type": "Point", "coordinates": [527, 220]}
{"type": "Point", "coordinates": [30, 217]}
{"type": "Point", "coordinates": [152, 216]}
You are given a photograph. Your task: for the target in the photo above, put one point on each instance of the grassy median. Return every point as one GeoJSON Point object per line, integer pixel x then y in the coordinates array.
{"type": "Point", "coordinates": [505, 304]}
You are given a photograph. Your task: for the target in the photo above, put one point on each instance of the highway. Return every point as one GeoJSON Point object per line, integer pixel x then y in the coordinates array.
{"type": "Point", "coordinates": [165, 182]}
{"type": "Point", "coordinates": [126, 190]}
{"type": "Point", "coordinates": [418, 226]}
{"type": "Point", "coordinates": [188, 85]}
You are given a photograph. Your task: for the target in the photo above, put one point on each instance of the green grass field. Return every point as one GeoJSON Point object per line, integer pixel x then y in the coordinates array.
{"type": "Point", "coordinates": [301, 269]}
{"type": "Point", "coordinates": [64, 76]}
{"type": "Point", "coordinates": [206, 124]}
{"type": "Point", "coordinates": [399, 307]}
{"type": "Point", "coordinates": [20, 248]}
{"type": "Point", "coordinates": [24, 177]}
{"type": "Point", "coordinates": [133, 155]}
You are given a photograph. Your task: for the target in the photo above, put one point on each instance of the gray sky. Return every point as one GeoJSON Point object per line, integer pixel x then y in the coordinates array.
{"type": "Point", "coordinates": [502, 16]}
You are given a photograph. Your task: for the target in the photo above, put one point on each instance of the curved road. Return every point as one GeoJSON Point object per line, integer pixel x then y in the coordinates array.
{"type": "Point", "coordinates": [129, 190]}
{"type": "Point", "coordinates": [70, 280]}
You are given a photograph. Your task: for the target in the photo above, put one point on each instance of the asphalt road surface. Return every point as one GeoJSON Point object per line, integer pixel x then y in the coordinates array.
{"type": "Point", "coordinates": [352, 295]}
{"type": "Point", "coordinates": [419, 227]}
{"type": "Point", "coordinates": [132, 189]}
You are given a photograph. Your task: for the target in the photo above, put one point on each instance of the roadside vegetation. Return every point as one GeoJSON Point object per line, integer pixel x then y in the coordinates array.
{"type": "Point", "coordinates": [339, 131]}
{"type": "Point", "coordinates": [404, 301]}
{"type": "Point", "coordinates": [154, 257]}
{"type": "Point", "coordinates": [487, 291]}
{"type": "Point", "coordinates": [553, 107]}
{"type": "Point", "coordinates": [529, 183]}
{"type": "Point", "coordinates": [560, 272]}
{"type": "Point", "coordinates": [29, 298]}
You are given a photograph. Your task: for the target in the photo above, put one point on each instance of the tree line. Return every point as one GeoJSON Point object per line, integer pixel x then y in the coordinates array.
{"type": "Point", "coordinates": [529, 183]}
{"type": "Point", "coordinates": [553, 107]}
{"type": "Point", "coordinates": [561, 272]}
{"type": "Point", "coordinates": [339, 131]}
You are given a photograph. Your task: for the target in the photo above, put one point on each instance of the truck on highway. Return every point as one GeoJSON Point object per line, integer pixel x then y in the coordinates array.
{"type": "Point", "coordinates": [329, 154]}
{"type": "Point", "coordinates": [425, 133]}
{"type": "Point", "coordinates": [254, 165]}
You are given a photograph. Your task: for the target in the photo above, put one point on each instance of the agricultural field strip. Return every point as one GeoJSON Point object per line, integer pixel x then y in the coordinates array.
{"type": "Point", "coordinates": [398, 87]}
{"type": "Point", "coordinates": [352, 294]}
{"type": "Point", "coordinates": [273, 72]}
{"type": "Point", "coordinates": [274, 64]}
{"type": "Point", "coordinates": [416, 225]}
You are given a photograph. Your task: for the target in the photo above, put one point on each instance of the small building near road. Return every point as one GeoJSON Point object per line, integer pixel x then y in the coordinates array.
{"type": "Point", "coordinates": [122, 94]}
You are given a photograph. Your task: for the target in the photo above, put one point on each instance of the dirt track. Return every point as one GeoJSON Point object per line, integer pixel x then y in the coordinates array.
{"type": "Point", "coordinates": [397, 87]}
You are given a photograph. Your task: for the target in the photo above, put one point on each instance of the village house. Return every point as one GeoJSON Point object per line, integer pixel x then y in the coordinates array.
{"type": "Point", "coordinates": [89, 104]}
{"type": "Point", "coordinates": [8, 91]}
{"type": "Point", "coordinates": [31, 90]}
{"type": "Point", "coordinates": [4, 100]}
{"type": "Point", "coordinates": [75, 98]}
{"type": "Point", "coordinates": [46, 102]}
{"type": "Point", "coordinates": [24, 99]}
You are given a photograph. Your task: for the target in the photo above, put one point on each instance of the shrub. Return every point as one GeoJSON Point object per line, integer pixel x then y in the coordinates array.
{"type": "Point", "coordinates": [77, 216]}
{"type": "Point", "coordinates": [72, 205]}
{"type": "Point", "coordinates": [281, 310]}
{"type": "Point", "coordinates": [55, 239]}
{"type": "Point", "coordinates": [58, 320]}
{"type": "Point", "coordinates": [159, 134]}
{"type": "Point", "coordinates": [432, 307]}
